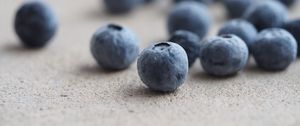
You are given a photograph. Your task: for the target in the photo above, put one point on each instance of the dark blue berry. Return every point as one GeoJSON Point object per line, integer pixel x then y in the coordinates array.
{"type": "Point", "coordinates": [241, 28]}
{"type": "Point", "coordinates": [121, 6]}
{"type": "Point", "coordinates": [148, 1]}
{"type": "Point", "coordinates": [288, 3]}
{"type": "Point", "coordinates": [201, 1]}
{"type": "Point", "coordinates": [237, 8]}
{"type": "Point", "coordinates": [267, 14]}
{"type": "Point", "coordinates": [190, 43]}
{"type": "Point", "coordinates": [294, 28]}
{"type": "Point", "coordinates": [114, 47]}
{"type": "Point", "coordinates": [224, 55]}
{"type": "Point", "coordinates": [35, 24]}
{"type": "Point", "coordinates": [274, 49]}
{"type": "Point", "coordinates": [190, 16]}
{"type": "Point", "coordinates": [163, 66]}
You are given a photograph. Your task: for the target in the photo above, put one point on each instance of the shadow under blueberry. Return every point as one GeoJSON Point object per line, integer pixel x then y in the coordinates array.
{"type": "Point", "coordinates": [17, 48]}
{"type": "Point", "coordinates": [253, 69]}
{"type": "Point", "coordinates": [140, 91]}
{"type": "Point", "coordinates": [96, 69]}
{"type": "Point", "coordinates": [207, 77]}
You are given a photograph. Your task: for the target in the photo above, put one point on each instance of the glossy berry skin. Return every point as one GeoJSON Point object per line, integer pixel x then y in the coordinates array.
{"type": "Point", "coordinates": [190, 43]}
{"type": "Point", "coordinates": [35, 24]}
{"type": "Point", "coordinates": [201, 1]}
{"type": "Point", "coordinates": [267, 14]}
{"type": "Point", "coordinates": [224, 55]}
{"type": "Point", "coordinates": [163, 66]}
{"type": "Point", "coordinates": [237, 8]}
{"type": "Point", "coordinates": [294, 28]}
{"type": "Point", "coordinates": [190, 16]}
{"type": "Point", "coordinates": [121, 6]}
{"type": "Point", "coordinates": [274, 49]}
{"type": "Point", "coordinates": [114, 47]}
{"type": "Point", "coordinates": [241, 28]}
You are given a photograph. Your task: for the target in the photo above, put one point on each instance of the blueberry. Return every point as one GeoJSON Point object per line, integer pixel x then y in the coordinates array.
{"type": "Point", "coordinates": [267, 14]}
{"type": "Point", "coordinates": [148, 1]}
{"type": "Point", "coordinates": [190, 16]}
{"type": "Point", "coordinates": [163, 66]}
{"type": "Point", "coordinates": [288, 3]}
{"type": "Point", "coordinates": [35, 24]}
{"type": "Point", "coordinates": [121, 6]}
{"type": "Point", "coordinates": [114, 47]}
{"type": "Point", "coordinates": [241, 28]}
{"type": "Point", "coordinates": [274, 49]}
{"type": "Point", "coordinates": [224, 55]}
{"type": "Point", "coordinates": [236, 8]}
{"type": "Point", "coordinates": [294, 28]}
{"type": "Point", "coordinates": [190, 43]}
{"type": "Point", "coordinates": [201, 1]}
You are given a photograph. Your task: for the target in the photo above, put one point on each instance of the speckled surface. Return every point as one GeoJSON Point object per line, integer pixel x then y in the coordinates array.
{"type": "Point", "coordinates": [62, 85]}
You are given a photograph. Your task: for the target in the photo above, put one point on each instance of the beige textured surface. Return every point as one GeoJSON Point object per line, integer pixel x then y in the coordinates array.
{"type": "Point", "coordinates": [62, 85]}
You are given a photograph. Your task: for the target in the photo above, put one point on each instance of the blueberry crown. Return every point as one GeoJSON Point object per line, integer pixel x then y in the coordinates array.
{"type": "Point", "coordinates": [161, 46]}
{"type": "Point", "coordinates": [115, 27]}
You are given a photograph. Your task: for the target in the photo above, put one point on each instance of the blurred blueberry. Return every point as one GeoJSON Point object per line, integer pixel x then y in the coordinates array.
{"type": "Point", "coordinates": [201, 1]}
{"type": "Point", "coordinates": [237, 8]}
{"type": "Point", "coordinates": [114, 47]}
{"type": "Point", "coordinates": [294, 28]}
{"type": "Point", "coordinates": [288, 3]}
{"type": "Point", "coordinates": [190, 43]}
{"type": "Point", "coordinates": [163, 66]}
{"type": "Point", "coordinates": [148, 1]}
{"type": "Point", "coordinates": [241, 28]}
{"type": "Point", "coordinates": [274, 49]}
{"type": "Point", "coordinates": [224, 55]}
{"type": "Point", "coordinates": [121, 6]}
{"type": "Point", "coordinates": [267, 14]}
{"type": "Point", "coordinates": [35, 24]}
{"type": "Point", "coordinates": [190, 16]}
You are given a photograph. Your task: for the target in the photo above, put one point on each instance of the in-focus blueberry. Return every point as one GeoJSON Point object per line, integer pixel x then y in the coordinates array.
{"type": "Point", "coordinates": [121, 6]}
{"type": "Point", "coordinates": [114, 47]}
{"type": "Point", "coordinates": [163, 66]}
{"type": "Point", "coordinates": [201, 1]}
{"type": "Point", "coordinates": [274, 49]}
{"type": "Point", "coordinates": [267, 14]}
{"type": "Point", "coordinates": [294, 28]}
{"type": "Point", "coordinates": [190, 43]}
{"type": "Point", "coordinates": [35, 24]}
{"type": "Point", "coordinates": [224, 55]}
{"type": "Point", "coordinates": [237, 8]}
{"type": "Point", "coordinates": [241, 28]}
{"type": "Point", "coordinates": [190, 16]}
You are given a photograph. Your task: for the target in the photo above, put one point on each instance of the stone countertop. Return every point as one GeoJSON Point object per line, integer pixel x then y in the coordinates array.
{"type": "Point", "coordinates": [62, 85]}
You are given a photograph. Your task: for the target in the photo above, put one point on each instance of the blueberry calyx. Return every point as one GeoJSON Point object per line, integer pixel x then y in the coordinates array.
{"type": "Point", "coordinates": [161, 46]}
{"type": "Point", "coordinates": [115, 27]}
{"type": "Point", "coordinates": [226, 36]}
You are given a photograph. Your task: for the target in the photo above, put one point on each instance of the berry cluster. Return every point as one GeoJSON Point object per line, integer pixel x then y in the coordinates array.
{"type": "Point", "coordinates": [256, 28]}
